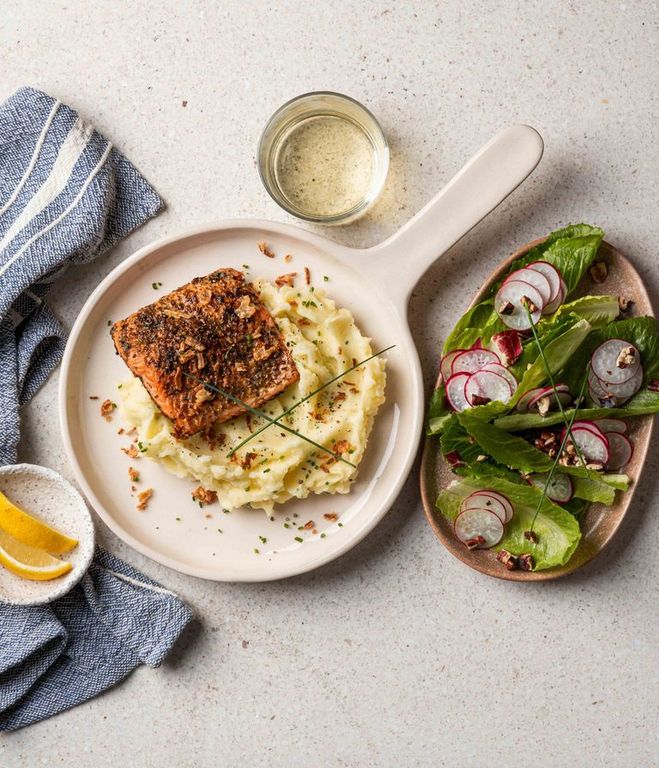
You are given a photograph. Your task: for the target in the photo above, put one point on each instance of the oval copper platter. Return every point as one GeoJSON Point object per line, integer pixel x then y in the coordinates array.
{"type": "Point", "coordinates": [599, 523]}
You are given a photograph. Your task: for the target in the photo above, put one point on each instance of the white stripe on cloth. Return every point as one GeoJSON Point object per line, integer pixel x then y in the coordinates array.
{"type": "Point", "coordinates": [71, 149]}
{"type": "Point", "coordinates": [34, 158]}
{"type": "Point", "coordinates": [64, 213]}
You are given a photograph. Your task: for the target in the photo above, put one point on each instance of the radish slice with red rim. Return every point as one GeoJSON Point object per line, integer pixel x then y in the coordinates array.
{"type": "Point", "coordinates": [502, 371]}
{"type": "Point", "coordinates": [478, 528]}
{"type": "Point", "coordinates": [485, 502]}
{"type": "Point", "coordinates": [536, 279]}
{"type": "Point", "coordinates": [447, 362]}
{"type": "Point", "coordinates": [560, 488]}
{"type": "Point", "coordinates": [503, 500]}
{"type": "Point", "coordinates": [601, 392]}
{"type": "Point", "coordinates": [484, 386]}
{"type": "Point", "coordinates": [604, 360]}
{"type": "Point", "coordinates": [562, 393]}
{"type": "Point", "coordinates": [611, 425]}
{"type": "Point", "coordinates": [554, 304]}
{"type": "Point", "coordinates": [552, 275]}
{"type": "Point", "coordinates": [621, 451]}
{"type": "Point", "coordinates": [509, 306]}
{"type": "Point", "coordinates": [473, 360]}
{"type": "Point", "coordinates": [526, 398]}
{"type": "Point", "coordinates": [594, 447]}
{"type": "Point", "coordinates": [587, 424]}
{"type": "Point", "coordinates": [455, 391]}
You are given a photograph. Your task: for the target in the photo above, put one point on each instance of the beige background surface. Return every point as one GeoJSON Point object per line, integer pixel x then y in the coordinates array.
{"type": "Point", "coordinates": [395, 655]}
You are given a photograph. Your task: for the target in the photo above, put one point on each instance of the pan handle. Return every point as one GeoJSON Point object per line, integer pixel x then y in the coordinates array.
{"type": "Point", "coordinates": [484, 182]}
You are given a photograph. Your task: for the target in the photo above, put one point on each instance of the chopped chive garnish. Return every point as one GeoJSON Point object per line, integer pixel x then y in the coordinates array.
{"type": "Point", "coordinates": [299, 538]}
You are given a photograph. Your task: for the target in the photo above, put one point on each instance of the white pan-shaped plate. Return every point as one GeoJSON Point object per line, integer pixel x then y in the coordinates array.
{"type": "Point", "coordinates": [374, 284]}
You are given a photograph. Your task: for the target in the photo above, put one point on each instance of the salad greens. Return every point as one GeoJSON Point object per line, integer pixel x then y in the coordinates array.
{"type": "Point", "coordinates": [507, 447]}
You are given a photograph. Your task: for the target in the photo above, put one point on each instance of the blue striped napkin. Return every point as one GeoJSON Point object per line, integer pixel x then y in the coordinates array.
{"type": "Point", "coordinates": [66, 196]}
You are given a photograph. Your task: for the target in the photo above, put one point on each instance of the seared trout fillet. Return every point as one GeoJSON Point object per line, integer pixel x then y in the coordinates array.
{"type": "Point", "coordinates": [216, 329]}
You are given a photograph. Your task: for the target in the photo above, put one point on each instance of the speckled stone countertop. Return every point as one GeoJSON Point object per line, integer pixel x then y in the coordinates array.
{"type": "Point", "coordinates": [396, 654]}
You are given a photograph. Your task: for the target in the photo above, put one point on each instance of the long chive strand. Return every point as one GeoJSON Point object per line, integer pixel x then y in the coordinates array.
{"type": "Point", "coordinates": [261, 414]}
{"type": "Point", "coordinates": [304, 400]}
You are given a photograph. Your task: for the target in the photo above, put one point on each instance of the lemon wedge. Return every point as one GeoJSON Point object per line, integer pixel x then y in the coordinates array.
{"type": "Point", "coordinates": [28, 530]}
{"type": "Point", "coordinates": [30, 562]}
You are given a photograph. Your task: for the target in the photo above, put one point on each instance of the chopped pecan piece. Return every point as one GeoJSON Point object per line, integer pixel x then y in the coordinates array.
{"type": "Point", "coordinates": [525, 562]}
{"type": "Point", "coordinates": [476, 541]}
{"type": "Point", "coordinates": [107, 406]}
{"type": "Point", "coordinates": [596, 466]}
{"type": "Point", "coordinates": [133, 474]}
{"type": "Point", "coordinates": [308, 525]}
{"type": "Point", "coordinates": [203, 395]}
{"type": "Point", "coordinates": [626, 357]}
{"type": "Point", "coordinates": [246, 463]}
{"type": "Point", "coordinates": [331, 516]}
{"type": "Point", "coordinates": [507, 309]}
{"type": "Point", "coordinates": [244, 308]}
{"type": "Point", "coordinates": [599, 271]}
{"type": "Point", "coordinates": [625, 304]}
{"type": "Point", "coordinates": [543, 406]}
{"type": "Point", "coordinates": [307, 276]}
{"type": "Point", "coordinates": [531, 536]}
{"type": "Point", "coordinates": [507, 559]}
{"type": "Point", "coordinates": [288, 258]}
{"type": "Point", "coordinates": [204, 496]}
{"type": "Point", "coordinates": [526, 302]}
{"type": "Point", "coordinates": [265, 250]}
{"type": "Point", "coordinates": [143, 499]}
{"type": "Point", "coordinates": [287, 279]}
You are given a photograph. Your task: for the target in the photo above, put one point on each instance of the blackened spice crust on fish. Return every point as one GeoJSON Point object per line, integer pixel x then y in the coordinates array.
{"type": "Point", "coordinates": [216, 329]}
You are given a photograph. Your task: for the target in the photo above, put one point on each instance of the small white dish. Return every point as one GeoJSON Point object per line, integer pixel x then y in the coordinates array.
{"type": "Point", "coordinates": [48, 496]}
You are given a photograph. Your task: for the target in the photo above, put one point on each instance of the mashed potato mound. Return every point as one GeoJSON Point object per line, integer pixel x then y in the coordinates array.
{"type": "Point", "coordinates": [276, 465]}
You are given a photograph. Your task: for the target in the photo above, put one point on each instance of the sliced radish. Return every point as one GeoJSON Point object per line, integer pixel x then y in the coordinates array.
{"type": "Point", "coordinates": [554, 304]}
{"type": "Point", "coordinates": [587, 424]}
{"type": "Point", "coordinates": [511, 310]}
{"type": "Point", "coordinates": [473, 360]}
{"type": "Point", "coordinates": [485, 386]}
{"type": "Point", "coordinates": [594, 447]}
{"type": "Point", "coordinates": [502, 371]}
{"type": "Point", "coordinates": [478, 344]}
{"type": "Point", "coordinates": [562, 394]}
{"type": "Point", "coordinates": [447, 361]}
{"type": "Point", "coordinates": [526, 398]}
{"type": "Point", "coordinates": [620, 451]}
{"type": "Point", "coordinates": [485, 502]}
{"type": "Point", "coordinates": [455, 391]}
{"type": "Point", "coordinates": [603, 390]}
{"type": "Point", "coordinates": [611, 425]}
{"type": "Point", "coordinates": [551, 273]}
{"type": "Point", "coordinates": [560, 488]}
{"type": "Point", "coordinates": [604, 362]}
{"type": "Point", "coordinates": [503, 500]}
{"type": "Point", "coordinates": [474, 523]}
{"type": "Point", "coordinates": [536, 279]}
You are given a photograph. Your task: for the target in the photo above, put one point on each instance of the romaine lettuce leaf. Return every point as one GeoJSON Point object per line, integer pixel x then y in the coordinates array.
{"type": "Point", "coordinates": [643, 403]}
{"type": "Point", "coordinates": [557, 530]}
{"type": "Point", "coordinates": [504, 448]}
{"type": "Point", "coordinates": [558, 352]}
{"type": "Point", "coordinates": [598, 310]}
{"type": "Point", "coordinates": [571, 250]}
